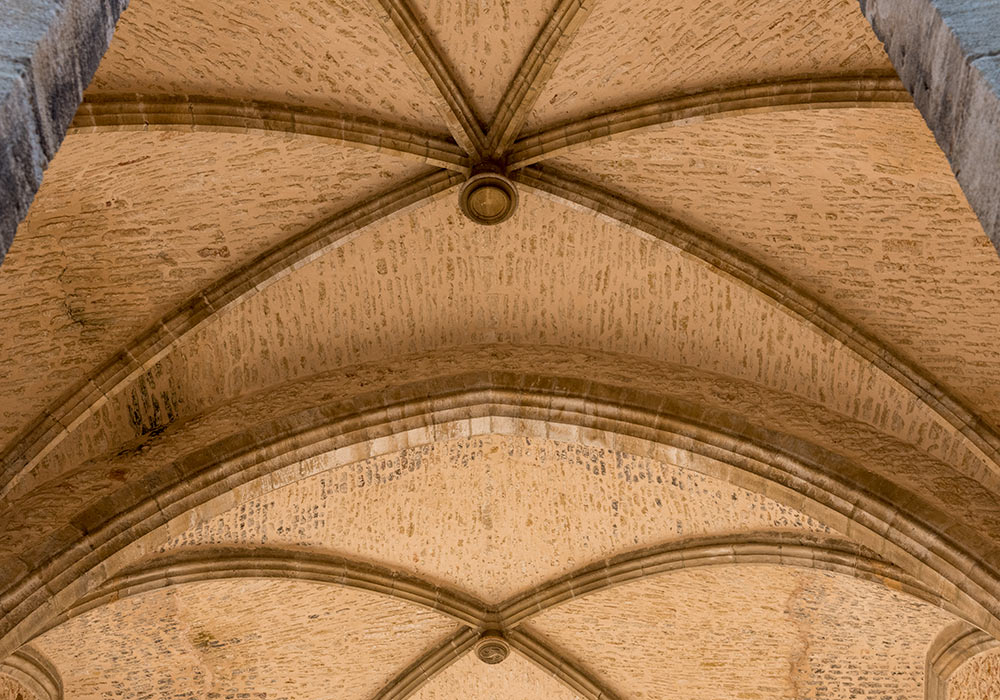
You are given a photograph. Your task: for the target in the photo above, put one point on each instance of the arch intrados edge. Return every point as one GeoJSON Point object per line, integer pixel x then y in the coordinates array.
{"type": "Point", "coordinates": [221, 563]}
{"type": "Point", "coordinates": [214, 485]}
{"type": "Point", "coordinates": [79, 403]}
{"type": "Point", "coordinates": [225, 562]}
{"type": "Point", "coordinates": [34, 672]}
{"type": "Point", "coordinates": [955, 645]}
{"type": "Point", "coordinates": [126, 112]}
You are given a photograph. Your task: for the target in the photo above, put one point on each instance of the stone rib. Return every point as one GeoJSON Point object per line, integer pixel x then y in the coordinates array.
{"type": "Point", "coordinates": [436, 660]}
{"type": "Point", "coordinates": [781, 96]}
{"type": "Point", "coordinates": [558, 665]}
{"type": "Point", "coordinates": [233, 562]}
{"type": "Point", "coordinates": [417, 48]}
{"type": "Point", "coordinates": [114, 112]}
{"type": "Point", "coordinates": [535, 70]}
{"type": "Point", "coordinates": [983, 439]}
{"type": "Point", "coordinates": [74, 407]}
{"type": "Point", "coordinates": [781, 549]}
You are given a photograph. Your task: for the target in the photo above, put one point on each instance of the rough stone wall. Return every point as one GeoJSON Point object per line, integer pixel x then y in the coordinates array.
{"type": "Point", "coordinates": [494, 514]}
{"type": "Point", "coordinates": [947, 53]}
{"type": "Point", "coordinates": [516, 677]}
{"type": "Point", "coordinates": [979, 679]}
{"type": "Point", "coordinates": [12, 690]}
{"type": "Point", "coordinates": [49, 51]}
{"type": "Point", "coordinates": [240, 640]}
{"type": "Point", "coordinates": [749, 633]}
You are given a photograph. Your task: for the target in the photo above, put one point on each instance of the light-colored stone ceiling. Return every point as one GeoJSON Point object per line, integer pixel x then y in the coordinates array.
{"type": "Point", "coordinates": [806, 193]}
{"type": "Point", "coordinates": [494, 515]}
{"type": "Point", "coordinates": [129, 226]}
{"type": "Point", "coordinates": [631, 51]}
{"type": "Point", "coordinates": [432, 280]}
{"type": "Point", "coordinates": [260, 639]}
{"type": "Point", "coordinates": [854, 207]}
{"type": "Point", "coordinates": [749, 632]}
{"type": "Point", "coordinates": [469, 679]}
{"type": "Point", "coordinates": [327, 55]}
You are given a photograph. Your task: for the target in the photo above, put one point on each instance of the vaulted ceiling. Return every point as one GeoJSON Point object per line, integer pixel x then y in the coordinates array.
{"type": "Point", "coordinates": [713, 414]}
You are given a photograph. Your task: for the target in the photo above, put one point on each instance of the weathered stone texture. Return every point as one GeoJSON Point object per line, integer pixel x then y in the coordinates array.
{"type": "Point", "coordinates": [774, 633]}
{"type": "Point", "coordinates": [471, 679]}
{"type": "Point", "coordinates": [785, 187]}
{"type": "Point", "coordinates": [332, 55]}
{"type": "Point", "coordinates": [946, 53]}
{"type": "Point", "coordinates": [266, 640]}
{"type": "Point", "coordinates": [48, 52]}
{"type": "Point", "coordinates": [490, 408]}
{"type": "Point", "coordinates": [978, 679]}
{"type": "Point", "coordinates": [129, 226]}
{"type": "Point", "coordinates": [431, 280]}
{"type": "Point", "coordinates": [640, 50]}
{"type": "Point", "coordinates": [493, 515]}
{"type": "Point", "coordinates": [12, 690]}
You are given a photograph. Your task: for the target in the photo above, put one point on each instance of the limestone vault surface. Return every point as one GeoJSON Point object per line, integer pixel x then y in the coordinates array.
{"type": "Point", "coordinates": [711, 415]}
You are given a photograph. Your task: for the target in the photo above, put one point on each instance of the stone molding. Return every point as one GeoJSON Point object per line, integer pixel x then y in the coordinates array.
{"type": "Point", "coordinates": [252, 561]}
{"type": "Point", "coordinates": [559, 666]}
{"type": "Point", "coordinates": [50, 53]}
{"type": "Point", "coordinates": [864, 92]}
{"type": "Point", "coordinates": [129, 112]}
{"type": "Point", "coordinates": [118, 372]}
{"type": "Point", "coordinates": [534, 71]}
{"type": "Point", "coordinates": [887, 520]}
{"type": "Point", "coordinates": [234, 562]}
{"type": "Point", "coordinates": [417, 47]}
{"type": "Point", "coordinates": [731, 262]}
{"type": "Point", "coordinates": [780, 549]}
{"type": "Point", "coordinates": [31, 669]}
{"type": "Point", "coordinates": [954, 645]}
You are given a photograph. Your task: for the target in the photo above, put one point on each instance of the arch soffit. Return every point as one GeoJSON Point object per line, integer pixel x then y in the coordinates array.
{"type": "Point", "coordinates": [226, 563]}
{"type": "Point", "coordinates": [237, 561]}
{"type": "Point", "coordinates": [81, 404]}
{"type": "Point", "coordinates": [31, 669]}
{"type": "Point", "coordinates": [414, 42]}
{"type": "Point", "coordinates": [956, 644]}
{"type": "Point", "coordinates": [214, 480]}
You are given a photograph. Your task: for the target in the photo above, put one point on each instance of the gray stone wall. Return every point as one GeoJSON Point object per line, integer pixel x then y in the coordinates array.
{"type": "Point", "coordinates": [947, 53]}
{"type": "Point", "coordinates": [49, 50]}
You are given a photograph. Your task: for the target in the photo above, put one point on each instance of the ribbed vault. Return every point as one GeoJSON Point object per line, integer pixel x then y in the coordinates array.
{"type": "Point", "coordinates": [277, 419]}
{"type": "Point", "coordinates": [287, 533]}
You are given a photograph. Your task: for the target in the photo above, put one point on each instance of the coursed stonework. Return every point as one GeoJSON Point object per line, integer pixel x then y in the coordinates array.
{"type": "Point", "coordinates": [377, 434]}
